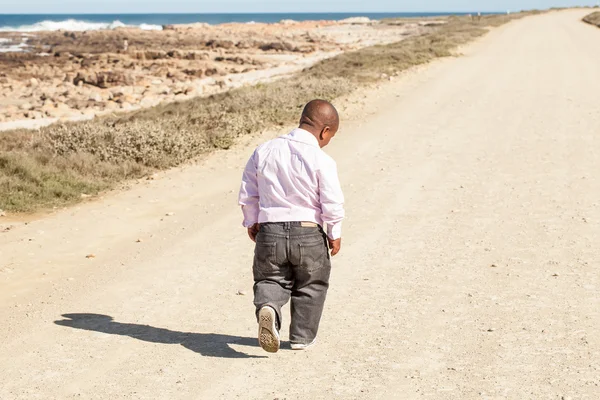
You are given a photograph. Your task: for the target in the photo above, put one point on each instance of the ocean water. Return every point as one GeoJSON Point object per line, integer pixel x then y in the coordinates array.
{"type": "Point", "coordinates": [83, 22]}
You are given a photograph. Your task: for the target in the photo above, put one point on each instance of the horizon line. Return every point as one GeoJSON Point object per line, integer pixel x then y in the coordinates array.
{"type": "Point", "coordinates": [265, 13]}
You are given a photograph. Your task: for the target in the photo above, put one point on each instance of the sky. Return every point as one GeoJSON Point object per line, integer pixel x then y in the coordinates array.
{"type": "Point", "coordinates": [261, 6]}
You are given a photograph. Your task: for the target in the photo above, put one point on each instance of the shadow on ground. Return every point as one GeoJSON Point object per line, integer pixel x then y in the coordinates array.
{"type": "Point", "coordinates": [207, 344]}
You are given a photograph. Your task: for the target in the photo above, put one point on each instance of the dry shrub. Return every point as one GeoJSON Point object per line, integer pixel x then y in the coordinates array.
{"type": "Point", "coordinates": [29, 181]}
{"type": "Point", "coordinates": [593, 18]}
{"type": "Point", "coordinates": [168, 135]}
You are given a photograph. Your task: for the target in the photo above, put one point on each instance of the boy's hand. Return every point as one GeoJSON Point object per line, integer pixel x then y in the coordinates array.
{"type": "Point", "coordinates": [253, 231]}
{"type": "Point", "coordinates": [335, 246]}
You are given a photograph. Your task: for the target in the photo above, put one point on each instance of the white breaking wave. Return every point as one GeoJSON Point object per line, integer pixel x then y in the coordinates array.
{"type": "Point", "coordinates": [150, 27]}
{"type": "Point", "coordinates": [73, 25]}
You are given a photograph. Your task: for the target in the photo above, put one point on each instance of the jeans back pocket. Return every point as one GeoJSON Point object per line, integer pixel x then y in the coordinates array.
{"type": "Point", "coordinates": [313, 256]}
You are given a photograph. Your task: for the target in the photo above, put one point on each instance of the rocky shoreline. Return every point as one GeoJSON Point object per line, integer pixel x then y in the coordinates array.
{"type": "Point", "coordinates": [78, 75]}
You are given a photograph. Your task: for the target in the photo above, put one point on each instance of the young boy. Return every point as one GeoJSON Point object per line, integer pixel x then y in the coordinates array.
{"type": "Point", "coordinates": [290, 188]}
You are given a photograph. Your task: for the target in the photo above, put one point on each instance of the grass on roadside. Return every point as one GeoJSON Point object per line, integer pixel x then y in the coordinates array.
{"type": "Point", "coordinates": [593, 18]}
{"type": "Point", "coordinates": [55, 165]}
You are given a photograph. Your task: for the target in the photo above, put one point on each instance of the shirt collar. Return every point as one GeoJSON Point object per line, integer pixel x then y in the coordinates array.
{"type": "Point", "coordinates": [302, 136]}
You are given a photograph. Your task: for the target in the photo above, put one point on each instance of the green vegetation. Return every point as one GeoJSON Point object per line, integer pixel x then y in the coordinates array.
{"type": "Point", "coordinates": [57, 164]}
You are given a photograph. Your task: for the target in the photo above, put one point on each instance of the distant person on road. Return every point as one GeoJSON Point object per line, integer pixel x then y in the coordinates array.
{"type": "Point", "coordinates": [290, 189]}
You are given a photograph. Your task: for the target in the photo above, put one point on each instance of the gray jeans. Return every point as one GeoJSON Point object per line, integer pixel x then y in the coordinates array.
{"type": "Point", "coordinates": [292, 261]}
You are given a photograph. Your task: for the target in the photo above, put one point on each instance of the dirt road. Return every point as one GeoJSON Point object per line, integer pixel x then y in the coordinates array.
{"type": "Point", "coordinates": [469, 268]}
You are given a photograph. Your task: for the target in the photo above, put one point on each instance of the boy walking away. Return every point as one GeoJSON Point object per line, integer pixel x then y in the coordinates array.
{"type": "Point", "coordinates": [290, 189]}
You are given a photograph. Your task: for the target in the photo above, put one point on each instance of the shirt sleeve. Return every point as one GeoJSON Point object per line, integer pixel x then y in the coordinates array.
{"type": "Point", "coordinates": [332, 199]}
{"type": "Point", "coordinates": [248, 197]}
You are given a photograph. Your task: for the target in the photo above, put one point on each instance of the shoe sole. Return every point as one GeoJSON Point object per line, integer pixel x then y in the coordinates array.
{"type": "Point", "coordinates": [301, 347]}
{"type": "Point", "coordinates": [268, 336]}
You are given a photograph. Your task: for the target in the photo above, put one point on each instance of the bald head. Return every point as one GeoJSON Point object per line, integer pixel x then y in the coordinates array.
{"type": "Point", "coordinates": [318, 114]}
{"type": "Point", "coordinates": [321, 119]}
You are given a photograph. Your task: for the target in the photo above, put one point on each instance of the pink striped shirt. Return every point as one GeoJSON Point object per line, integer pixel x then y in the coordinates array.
{"type": "Point", "coordinates": [290, 179]}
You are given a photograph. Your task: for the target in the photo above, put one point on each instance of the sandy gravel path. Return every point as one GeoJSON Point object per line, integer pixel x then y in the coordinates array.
{"type": "Point", "coordinates": [469, 268]}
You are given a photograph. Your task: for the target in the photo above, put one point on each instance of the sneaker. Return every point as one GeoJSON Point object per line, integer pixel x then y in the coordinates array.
{"type": "Point", "coordinates": [302, 346]}
{"type": "Point", "coordinates": [268, 337]}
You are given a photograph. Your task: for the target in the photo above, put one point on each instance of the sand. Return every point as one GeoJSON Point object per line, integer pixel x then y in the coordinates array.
{"type": "Point", "coordinates": [468, 266]}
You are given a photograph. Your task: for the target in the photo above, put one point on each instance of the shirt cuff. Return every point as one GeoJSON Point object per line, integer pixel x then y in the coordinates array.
{"type": "Point", "coordinates": [250, 215]}
{"type": "Point", "coordinates": [334, 231]}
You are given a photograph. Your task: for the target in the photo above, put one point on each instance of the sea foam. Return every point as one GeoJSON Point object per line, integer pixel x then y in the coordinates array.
{"type": "Point", "coordinates": [73, 25]}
